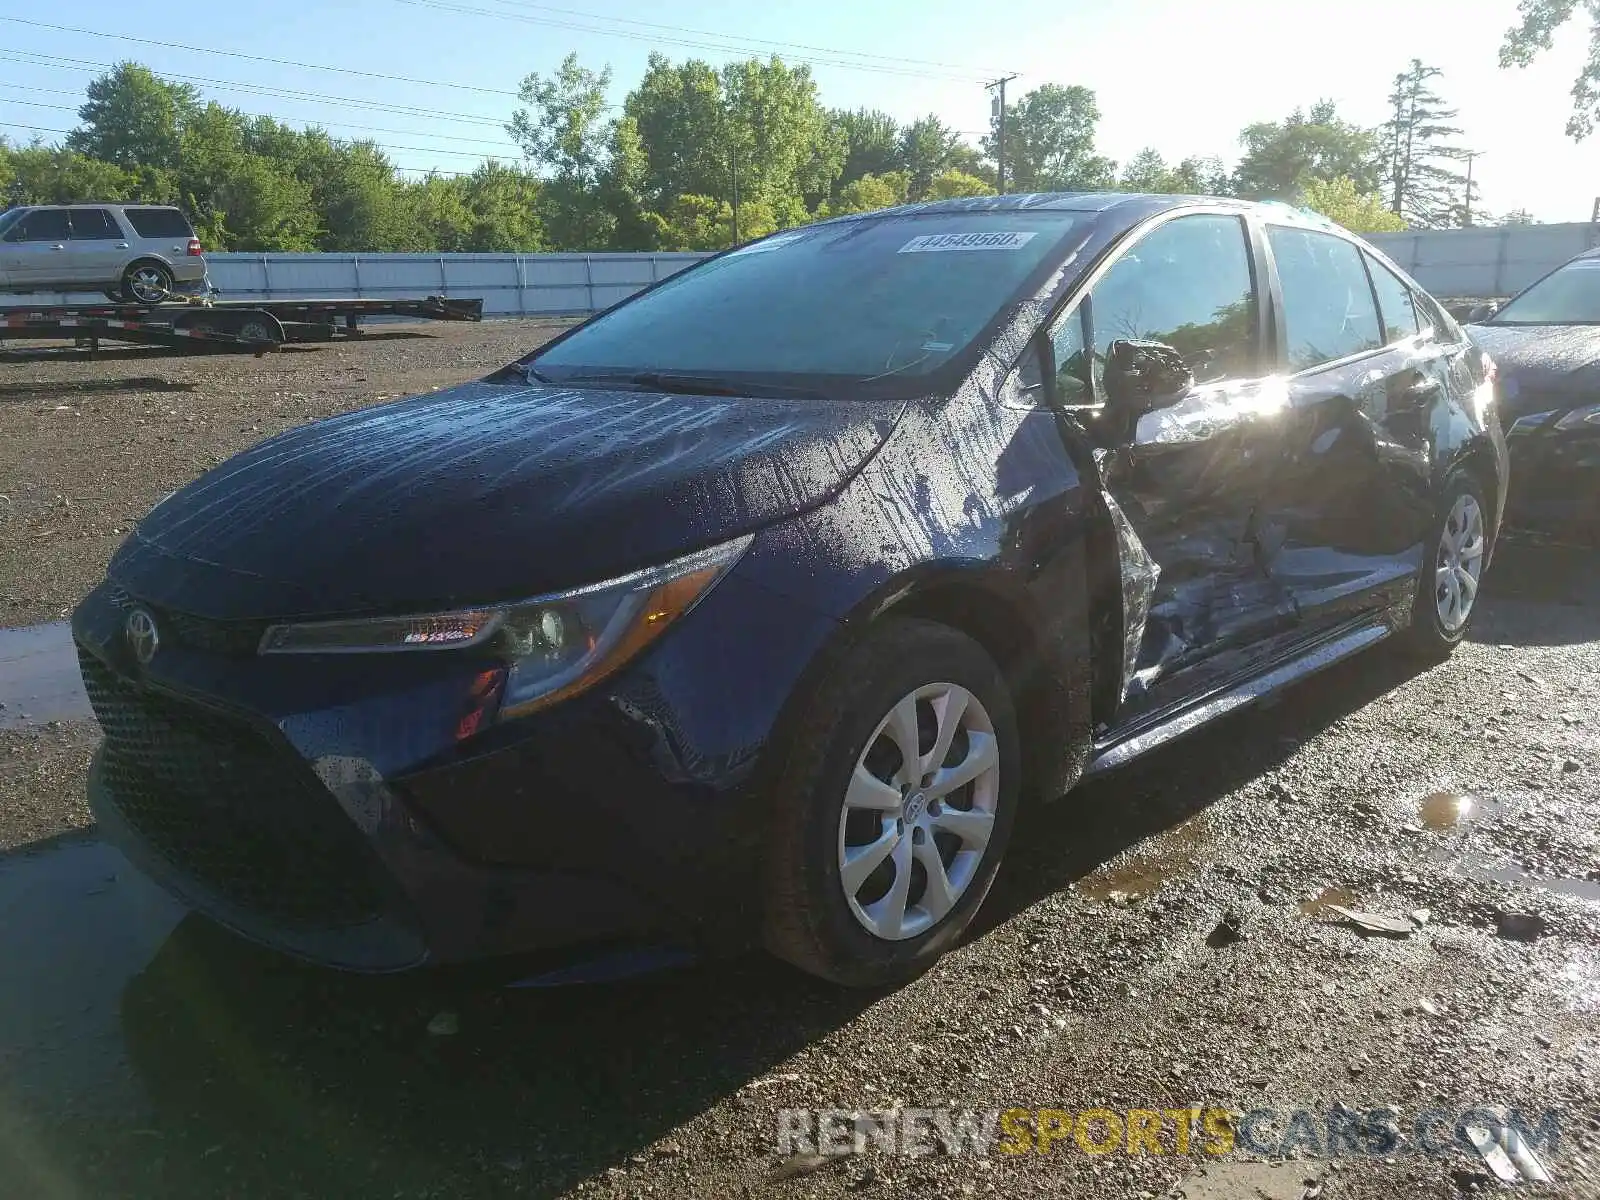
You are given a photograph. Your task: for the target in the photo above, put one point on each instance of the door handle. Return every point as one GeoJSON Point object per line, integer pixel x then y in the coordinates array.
{"type": "Point", "coordinates": [123, 246]}
{"type": "Point", "coordinates": [58, 246]}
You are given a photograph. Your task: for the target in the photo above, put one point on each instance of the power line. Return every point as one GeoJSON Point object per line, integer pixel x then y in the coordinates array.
{"type": "Point", "coordinates": [739, 38]}
{"type": "Point", "coordinates": [407, 170]}
{"type": "Point", "coordinates": [268, 116]}
{"type": "Point", "coordinates": [657, 38]}
{"type": "Point", "coordinates": [261, 58]}
{"type": "Point", "coordinates": [90, 66]}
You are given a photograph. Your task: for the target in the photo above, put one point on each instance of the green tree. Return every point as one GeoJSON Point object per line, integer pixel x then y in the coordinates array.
{"type": "Point", "coordinates": [1341, 200]}
{"type": "Point", "coordinates": [783, 145]}
{"type": "Point", "coordinates": [1281, 157]}
{"type": "Point", "coordinates": [871, 143]}
{"type": "Point", "coordinates": [1419, 145]}
{"type": "Point", "coordinates": [681, 120]}
{"type": "Point", "coordinates": [1516, 217]}
{"type": "Point", "coordinates": [504, 204]}
{"type": "Point", "coordinates": [868, 193]}
{"type": "Point", "coordinates": [1530, 37]}
{"type": "Point", "coordinates": [43, 174]}
{"type": "Point", "coordinates": [927, 148]}
{"type": "Point", "coordinates": [562, 130]}
{"type": "Point", "coordinates": [950, 184]}
{"type": "Point", "coordinates": [1049, 142]}
{"type": "Point", "coordinates": [133, 118]}
{"type": "Point", "coordinates": [1148, 172]}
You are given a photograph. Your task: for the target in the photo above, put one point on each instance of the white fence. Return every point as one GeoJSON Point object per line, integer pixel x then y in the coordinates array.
{"type": "Point", "coordinates": [511, 285]}
{"type": "Point", "coordinates": [1463, 263]}
{"type": "Point", "coordinates": [1456, 263]}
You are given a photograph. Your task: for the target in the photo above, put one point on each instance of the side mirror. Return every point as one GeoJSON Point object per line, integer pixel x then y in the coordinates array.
{"type": "Point", "coordinates": [1480, 312]}
{"type": "Point", "coordinates": [1141, 377]}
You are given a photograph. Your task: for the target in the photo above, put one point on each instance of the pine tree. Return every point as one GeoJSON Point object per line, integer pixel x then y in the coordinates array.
{"type": "Point", "coordinates": [1423, 188]}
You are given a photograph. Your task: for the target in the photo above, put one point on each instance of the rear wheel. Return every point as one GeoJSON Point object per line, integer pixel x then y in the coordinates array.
{"type": "Point", "coordinates": [1447, 589]}
{"type": "Point", "coordinates": [896, 801]}
{"type": "Point", "coordinates": [147, 283]}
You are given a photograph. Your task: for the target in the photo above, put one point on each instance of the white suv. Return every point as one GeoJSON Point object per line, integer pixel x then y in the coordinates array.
{"type": "Point", "coordinates": [143, 253]}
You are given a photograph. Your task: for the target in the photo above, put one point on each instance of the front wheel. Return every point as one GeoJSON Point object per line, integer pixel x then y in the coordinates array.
{"type": "Point", "coordinates": [1447, 589]}
{"type": "Point", "coordinates": [893, 809]}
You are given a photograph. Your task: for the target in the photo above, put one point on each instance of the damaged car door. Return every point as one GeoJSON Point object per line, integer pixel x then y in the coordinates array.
{"type": "Point", "coordinates": [1182, 460]}
{"type": "Point", "coordinates": [1346, 513]}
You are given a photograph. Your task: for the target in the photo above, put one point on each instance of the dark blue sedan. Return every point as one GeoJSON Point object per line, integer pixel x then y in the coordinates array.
{"type": "Point", "coordinates": [753, 608]}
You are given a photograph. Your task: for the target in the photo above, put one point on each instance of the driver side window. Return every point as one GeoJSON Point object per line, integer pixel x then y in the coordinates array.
{"type": "Point", "coordinates": [1187, 284]}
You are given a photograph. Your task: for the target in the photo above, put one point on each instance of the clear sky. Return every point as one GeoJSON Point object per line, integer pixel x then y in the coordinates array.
{"type": "Point", "coordinates": [1180, 75]}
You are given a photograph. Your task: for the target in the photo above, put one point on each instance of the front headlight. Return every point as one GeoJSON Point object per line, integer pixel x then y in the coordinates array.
{"type": "Point", "coordinates": [556, 646]}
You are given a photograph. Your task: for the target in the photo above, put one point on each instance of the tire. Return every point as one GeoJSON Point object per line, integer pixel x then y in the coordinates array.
{"type": "Point", "coordinates": [845, 729]}
{"type": "Point", "coordinates": [146, 282]}
{"type": "Point", "coordinates": [1458, 543]}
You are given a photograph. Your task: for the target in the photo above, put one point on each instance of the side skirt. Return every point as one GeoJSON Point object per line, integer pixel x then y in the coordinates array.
{"type": "Point", "coordinates": [1122, 746]}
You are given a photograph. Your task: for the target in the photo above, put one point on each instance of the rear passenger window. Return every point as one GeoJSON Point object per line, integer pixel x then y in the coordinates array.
{"type": "Point", "coordinates": [94, 224]}
{"type": "Point", "coordinates": [1188, 284]}
{"type": "Point", "coordinates": [1395, 305]}
{"type": "Point", "coordinates": [1327, 302]}
{"type": "Point", "coordinates": [159, 222]}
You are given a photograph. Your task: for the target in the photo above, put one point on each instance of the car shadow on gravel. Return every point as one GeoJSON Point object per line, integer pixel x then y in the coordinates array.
{"type": "Point", "coordinates": [88, 387]}
{"type": "Point", "coordinates": [1059, 843]}
{"type": "Point", "coordinates": [1540, 592]}
{"type": "Point", "coordinates": [263, 1071]}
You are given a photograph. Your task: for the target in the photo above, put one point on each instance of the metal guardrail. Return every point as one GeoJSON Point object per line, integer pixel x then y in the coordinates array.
{"type": "Point", "coordinates": [522, 285]}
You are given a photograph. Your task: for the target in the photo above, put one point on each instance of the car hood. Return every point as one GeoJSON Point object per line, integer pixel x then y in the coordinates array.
{"type": "Point", "coordinates": [487, 492]}
{"type": "Point", "coordinates": [1543, 366]}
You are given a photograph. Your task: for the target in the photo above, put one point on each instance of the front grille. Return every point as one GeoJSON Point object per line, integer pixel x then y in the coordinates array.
{"type": "Point", "coordinates": [219, 801]}
{"type": "Point", "coordinates": [237, 639]}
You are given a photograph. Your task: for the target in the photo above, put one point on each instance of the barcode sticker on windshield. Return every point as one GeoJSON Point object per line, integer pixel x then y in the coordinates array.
{"type": "Point", "coordinates": [931, 242]}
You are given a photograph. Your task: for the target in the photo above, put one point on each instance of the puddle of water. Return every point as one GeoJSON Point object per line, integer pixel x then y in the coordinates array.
{"type": "Point", "coordinates": [77, 922]}
{"type": "Point", "coordinates": [1322, 903]}
{"type": "Point", "coordinates": [1159, 861]}
{"type": "Point", "coordinates": [39, 678]}
{"type": "Point", "coordinates": [1446, 810]}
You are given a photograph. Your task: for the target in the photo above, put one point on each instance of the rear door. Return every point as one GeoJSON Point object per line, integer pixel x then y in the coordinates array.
{"type": "Point", "coordinates": [34, 251]}
{"type": "Point", "coordinates": [99, 249]}
{"type": "Point", "coordinates": [1351, 500]}
{"type": "Point", "coordinates": [1182, 489]}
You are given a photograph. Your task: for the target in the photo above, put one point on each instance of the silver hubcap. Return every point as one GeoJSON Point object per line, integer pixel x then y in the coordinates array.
{"type": "Point", "coordinates": [918, 812]}
{"type": "Point", "coordinates": [1460, 563]}
{"type": "Point", "coordinates": [147, 284]}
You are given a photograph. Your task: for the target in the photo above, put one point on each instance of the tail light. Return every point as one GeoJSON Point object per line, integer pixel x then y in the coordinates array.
{"type": "Point", "coordinates": [195, 248]}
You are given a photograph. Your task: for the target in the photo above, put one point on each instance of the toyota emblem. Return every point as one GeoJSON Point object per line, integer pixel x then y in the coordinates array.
{"type": "Point", "coordinates": [144, 639]}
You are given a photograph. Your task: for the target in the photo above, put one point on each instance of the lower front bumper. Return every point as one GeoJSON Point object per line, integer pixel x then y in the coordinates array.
{"type": "Point", "coordinates": [373, 815]}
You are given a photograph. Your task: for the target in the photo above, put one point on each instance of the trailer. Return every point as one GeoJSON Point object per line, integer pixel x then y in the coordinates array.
{"type": "Point", "coordinates": [204, 325]}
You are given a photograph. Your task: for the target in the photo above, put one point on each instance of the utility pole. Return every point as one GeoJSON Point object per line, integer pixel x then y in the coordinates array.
{"type": "Point", "coordinates": [733, 169]}
{"type": "Point", "coordinates": [1466, 220]}
{"type": "Point", "coordinates": [998, 114]}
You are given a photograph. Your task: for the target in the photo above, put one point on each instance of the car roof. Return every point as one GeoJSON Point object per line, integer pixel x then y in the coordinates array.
{"type": "Point", "coordinates": [1120, 207]}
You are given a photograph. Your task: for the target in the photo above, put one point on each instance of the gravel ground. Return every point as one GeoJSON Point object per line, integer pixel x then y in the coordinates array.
{"type": "Point", "coordinates": [1158, 940]}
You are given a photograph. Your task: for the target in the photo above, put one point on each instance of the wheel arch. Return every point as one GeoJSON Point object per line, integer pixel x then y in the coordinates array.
{"type": "Point", "coordinates": [1048, 670]}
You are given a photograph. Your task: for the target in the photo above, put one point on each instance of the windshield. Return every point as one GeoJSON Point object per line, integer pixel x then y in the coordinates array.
{"type": "Point", "coordinates": [1569, 295]}
{"type": "Point", "coordinates": [854, 303]}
